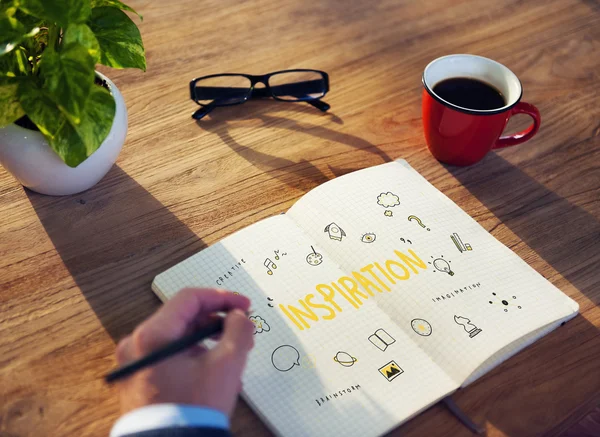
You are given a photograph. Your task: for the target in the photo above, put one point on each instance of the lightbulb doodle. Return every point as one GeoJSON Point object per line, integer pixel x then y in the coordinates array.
{"type": "Point", "coordinates": [504, 302]}
{"type": "Point", "coordinates": [421, 327]}
{"type": "Point", "coordinates": [344, 359]}
{"type": "Point", "coordinates": [418, 220]}
{"type": "Point", "coordinates": [369, 237]}
{"type": "Point", "coordinates": [335, 232]}
{"type": "Point", "coordinates": [441, 265]}
{"type": "Point", "coordinates": [388, 200]}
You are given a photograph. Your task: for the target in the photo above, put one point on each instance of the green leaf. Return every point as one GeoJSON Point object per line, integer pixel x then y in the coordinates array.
{"type": "Point", "coordinates": [73, 143]}
{"type": "Point", "coordinates": [69, 76]}
{"type": "Point", "coordinates": [11, 107]}
{"type": "Point", "coordinates": [115, 4]}
{"type": "Point", "coordinates": [119, 38]}
{"type": "Point", "coordinates": [12, 32]}
{"type": "Point", "coordinates": [82, 34]}
{"type": "Point", "coordinates": [63, 12]}
{"type": "Point", "coordinates": [14, 64]}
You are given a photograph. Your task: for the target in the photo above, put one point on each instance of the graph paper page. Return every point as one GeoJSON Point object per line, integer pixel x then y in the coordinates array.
{"type": "Point", "coordinates": [350, 372]}
{"type": "Point", "coordinates": [449, 285]}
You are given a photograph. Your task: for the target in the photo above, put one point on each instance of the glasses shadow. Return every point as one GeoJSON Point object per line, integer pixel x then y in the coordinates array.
{"type": "Point", "coordinates": [271, 114]}
{"type": "Point", "coordinates": [114, 239]}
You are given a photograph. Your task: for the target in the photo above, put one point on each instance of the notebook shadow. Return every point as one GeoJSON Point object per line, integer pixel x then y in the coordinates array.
{"type": "Point", "coordinates": [302, 174]}
{"type": "Point", "coordinates": [563, 234]}
{"type": "Point", "coordinates": [114, 238]}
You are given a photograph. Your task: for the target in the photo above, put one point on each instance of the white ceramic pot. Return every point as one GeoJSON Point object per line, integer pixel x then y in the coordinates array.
{"type": "Point", "coordinates": [26, 154]}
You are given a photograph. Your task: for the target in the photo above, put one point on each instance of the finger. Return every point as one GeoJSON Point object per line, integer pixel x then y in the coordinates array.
{"type": "Point", "coordinates": [124, 352]}
{"type": "Point", "coordinates": [179, 315]}
{"type": "Point", "coordinates": [237, 338]}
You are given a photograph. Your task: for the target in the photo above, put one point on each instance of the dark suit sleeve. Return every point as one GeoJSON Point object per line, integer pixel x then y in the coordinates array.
{"type": "Point", "coordinates": [182, 432]}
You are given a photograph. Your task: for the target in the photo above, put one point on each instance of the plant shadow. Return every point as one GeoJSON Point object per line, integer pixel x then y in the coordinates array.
{"type": "Point", "coordinates": [114, 239]}
{"type": "Point", "coordinates": [280, 117]}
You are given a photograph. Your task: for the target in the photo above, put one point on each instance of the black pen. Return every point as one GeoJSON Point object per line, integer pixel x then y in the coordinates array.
{"type": "Point", "coordinates": [167, 351]}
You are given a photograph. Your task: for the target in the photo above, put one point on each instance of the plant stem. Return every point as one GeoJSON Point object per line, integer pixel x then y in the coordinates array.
{"type": "Point", "coordinates": [53, 34]}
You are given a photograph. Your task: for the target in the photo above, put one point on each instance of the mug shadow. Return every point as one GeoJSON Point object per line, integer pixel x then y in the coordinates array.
{"type": "Point", "coordinates": [560, 232]}
{"type": "Point", "coordinates": [302, 174]}
{"type": "Point", "coordinates": [114, 239]}
{"type": "Point", "coordinates": [564, 235]}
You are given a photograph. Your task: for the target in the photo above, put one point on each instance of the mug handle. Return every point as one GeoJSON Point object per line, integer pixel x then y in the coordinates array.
{"type": "Point", "coordinates": [524, 135]}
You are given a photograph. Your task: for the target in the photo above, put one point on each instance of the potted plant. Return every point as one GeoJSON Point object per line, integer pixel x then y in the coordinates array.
{"type": "Point", "coordinates": [62, 124]}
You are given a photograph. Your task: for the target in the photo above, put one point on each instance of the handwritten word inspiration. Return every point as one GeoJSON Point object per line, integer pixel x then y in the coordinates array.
{"type": "Point", "coordinates": [353, 289]}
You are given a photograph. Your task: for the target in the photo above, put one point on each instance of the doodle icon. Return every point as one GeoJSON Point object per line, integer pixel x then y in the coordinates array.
{"type": "Point", "coordinates": [270, 265]}
{"type": "Point", "coordinates": [285, 357]}
{"type": "Point", "coordinates": [381, 339]}
{"type": "Point", "coordinates": [418, 220]}
{"type": "Point", "coordinates": [368, 237]}
{"type": "Point", "coordinates": [314, 258]}
{"type": "Point", "coordinates": [345, 359]}
{"type": "Point", "coordinates": [442, 265]}
{"type": "Point", "coordinates": [388, 213]}
{"type": "Point", "coordinates": [260, 324]}
{"type": "Point", "coordinates": [470, 328]}
{"type": "Point", "coordinates": [335, 232]}
{"type": "Point", "coordinates": [388, 200]}
{"type": "Point", "coordinates": [405, 241]}
{"type": "Point", "coordinates": [504, 302]}
{"type": "Point", "coordinates": [421, 327]}
{"type": "Point", "coordinates": [391, 370]}
{"type": "Point", "coordinates": [459, 244]}
{"type": "Point", "coordinates": [270, 300]}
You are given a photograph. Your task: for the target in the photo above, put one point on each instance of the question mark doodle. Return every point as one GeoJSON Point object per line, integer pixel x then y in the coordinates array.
{"type": "Point", "coordinates": [418, 220]}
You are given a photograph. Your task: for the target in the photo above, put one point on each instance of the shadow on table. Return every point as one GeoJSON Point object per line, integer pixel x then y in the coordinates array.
{"type": "Point", "coordinates": [301, 175]}
{"type": "Point", "coordinates": [114, 238]}
{"type": "Point", "coordinates": [565, 235]}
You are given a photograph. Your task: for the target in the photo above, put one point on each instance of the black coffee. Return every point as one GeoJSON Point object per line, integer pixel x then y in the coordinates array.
{"type": "Point", "coordinates": [469, 93]}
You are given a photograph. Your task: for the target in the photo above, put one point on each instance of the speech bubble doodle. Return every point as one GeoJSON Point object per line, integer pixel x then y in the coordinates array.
{"type": "Point", "coordinates": [260, 324]}
{"type": "Point", "coordinates": [285, 357]}
{"type": "Point", "coordinates": [388, 200]}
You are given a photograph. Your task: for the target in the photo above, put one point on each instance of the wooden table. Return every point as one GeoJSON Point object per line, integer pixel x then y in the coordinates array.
{"type": "Point", "coordinates": [76, 271]}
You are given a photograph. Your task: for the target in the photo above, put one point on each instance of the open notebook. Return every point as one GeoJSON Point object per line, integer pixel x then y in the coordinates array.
{"type": "Point", "coordinates": [374, 297]}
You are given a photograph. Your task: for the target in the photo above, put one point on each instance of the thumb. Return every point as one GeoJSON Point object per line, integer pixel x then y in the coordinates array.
{"type": "Point", "coordinates": [237, 338]}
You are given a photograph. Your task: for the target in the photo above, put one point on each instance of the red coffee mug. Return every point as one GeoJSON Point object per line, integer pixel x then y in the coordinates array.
{"type": "Point", "coordinates": [462, 136]}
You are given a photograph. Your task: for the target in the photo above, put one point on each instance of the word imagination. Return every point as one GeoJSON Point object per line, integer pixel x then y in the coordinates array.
{"type": "Point", "coordinates": [353, 289]}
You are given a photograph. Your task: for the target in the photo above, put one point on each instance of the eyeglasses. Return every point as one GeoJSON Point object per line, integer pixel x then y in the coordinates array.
{"type": "Point", "coordinates": [233, 89]}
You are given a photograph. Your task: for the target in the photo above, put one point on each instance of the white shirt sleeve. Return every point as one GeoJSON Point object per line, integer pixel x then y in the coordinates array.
{"type": "Point", "coordinates": [168, 416]}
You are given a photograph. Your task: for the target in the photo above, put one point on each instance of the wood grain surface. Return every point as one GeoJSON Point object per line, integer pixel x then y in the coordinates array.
{"type": "Point", "coordinates": [76, 271]}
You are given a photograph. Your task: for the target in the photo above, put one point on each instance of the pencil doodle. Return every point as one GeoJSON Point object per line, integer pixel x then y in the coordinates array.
{"type": "Point", "coordinates": [459, 244]}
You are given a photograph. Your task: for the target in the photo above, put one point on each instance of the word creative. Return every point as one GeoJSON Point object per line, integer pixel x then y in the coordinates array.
{"type": "Point", "coordinates": [353, 290]}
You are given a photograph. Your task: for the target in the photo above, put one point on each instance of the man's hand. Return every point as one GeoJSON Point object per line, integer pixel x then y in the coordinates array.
{"type": "Point", "coordinates": [208, 378]}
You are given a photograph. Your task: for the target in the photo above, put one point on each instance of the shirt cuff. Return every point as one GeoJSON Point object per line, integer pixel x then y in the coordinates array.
{"type": "Point", "coordinates": [168, 416]}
